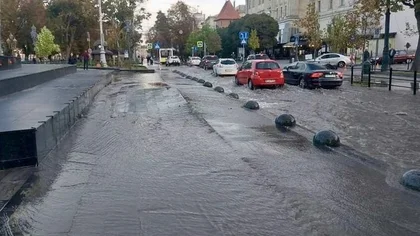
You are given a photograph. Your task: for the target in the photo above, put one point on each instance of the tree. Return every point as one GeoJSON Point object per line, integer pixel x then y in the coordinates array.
{"type": "Point", "coordinates": [254, 41]}
{"type": "Point", "coordinates": [206, 34]}
{"type": "Point", "coordinates": [310, 24]}
{"type": "Point", "coordinates": [45, 46]}
{"type": "Point", "coordinates": [161, 31]}
{"type": "Point", "coordinates": [410, 30]}
{"type": "Point", "coordinates": [181, 23]}
{"type": "Point", "coordinates": [267, 29]}
{"type": "Point", "coordinates": [369, 12]}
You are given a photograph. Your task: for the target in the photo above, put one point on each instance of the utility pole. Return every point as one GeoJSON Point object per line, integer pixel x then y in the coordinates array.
{"type": "Point", "coordinates": [102, 52]}
{"type": "Point", "coordinates": [1, 45]}
{"type": "Point", "coordinates": [385, 53]}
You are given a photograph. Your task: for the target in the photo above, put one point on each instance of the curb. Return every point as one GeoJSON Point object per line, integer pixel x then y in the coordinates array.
{"type": "Point", "coordinates": [76, 108]}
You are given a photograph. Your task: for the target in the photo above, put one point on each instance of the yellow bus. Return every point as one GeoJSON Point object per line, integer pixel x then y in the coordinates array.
{"type": "Point", "coordinates": [164, 53]}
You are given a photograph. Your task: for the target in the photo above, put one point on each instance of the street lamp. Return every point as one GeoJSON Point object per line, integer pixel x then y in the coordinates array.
{"type": "Point", "coordinates": [102, 48]}
{"type": "Point", "coordinates": [385, 53]}
{"type": "Point", "coordinates": [1, 46]}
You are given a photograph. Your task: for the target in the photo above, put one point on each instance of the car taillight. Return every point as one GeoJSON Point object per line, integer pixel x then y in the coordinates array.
{"type": "Point", "coordinates": [256, 73]}
{"type": "Point", "coordinates": [340, 74]}
{"type": "Point", "coordinates": [316, 75]}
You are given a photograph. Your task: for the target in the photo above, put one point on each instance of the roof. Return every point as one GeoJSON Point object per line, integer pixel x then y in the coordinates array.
{"type": "Point", "coordinates": [228, 12]}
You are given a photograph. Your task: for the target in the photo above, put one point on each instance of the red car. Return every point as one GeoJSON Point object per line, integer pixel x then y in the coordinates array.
{"type": "Point", "coordinates": [258, 73]}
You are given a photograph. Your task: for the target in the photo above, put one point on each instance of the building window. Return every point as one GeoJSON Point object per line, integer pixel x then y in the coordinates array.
{"type": "Point", "coordinates": [341, 3]}
{"type": "Point", "coordinates": [331, 4]}
{"type": "Point", "coordinates": [285, 10]}
{"type": "Point", "coordinates": [281, 12]}
{"type": "Point", "coordinates": [319, 6]}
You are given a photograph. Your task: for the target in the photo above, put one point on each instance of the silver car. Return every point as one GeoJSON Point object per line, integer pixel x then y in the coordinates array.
{"type": "Point", "coordinates": [334, 59]}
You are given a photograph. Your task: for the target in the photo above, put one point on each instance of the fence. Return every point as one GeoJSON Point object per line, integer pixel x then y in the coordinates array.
{"type": "Point", "coordinates": [405, 76]}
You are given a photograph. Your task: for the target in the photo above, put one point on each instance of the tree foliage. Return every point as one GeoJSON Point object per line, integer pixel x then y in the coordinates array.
{"type": "Point", "coordinates": [369, 14]}
{"type": "Point", "coordinates": [310, 24]}
{"type": "Point", "coordinates": [45, 46]}
{"type": "Point", "coordinates": [206, 34]}
{"type": "Point", "coordinates": [267, 29]}
{"type": "Point", "coordinates": [254, 41]}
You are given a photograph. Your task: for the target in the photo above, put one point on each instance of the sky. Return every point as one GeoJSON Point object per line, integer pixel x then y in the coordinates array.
{"type": "Point", "coordinates": [207, 7]}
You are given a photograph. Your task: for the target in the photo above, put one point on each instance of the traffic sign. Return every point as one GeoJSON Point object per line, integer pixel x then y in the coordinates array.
{"type": "Point", "coordinates": [243, 35]}
{"type": "Point", "coordinates": [157, 46]}
{"type": "Point", "coordinates": [243, 42]}
{"type": "Point", "coordinates": [377, 33]}
{"type": "Point", "coordinates": [195, 48]}
{"type": "Point", "coordinates": [90, 51]}
{"type": "Point", "coordinates": [150, 46]}
{"type": "Point", "coordinates": [200, 44]}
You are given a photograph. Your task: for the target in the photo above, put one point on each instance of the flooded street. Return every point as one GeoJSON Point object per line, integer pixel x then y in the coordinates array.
{"type": "Point", "coordinates": [158, 154]}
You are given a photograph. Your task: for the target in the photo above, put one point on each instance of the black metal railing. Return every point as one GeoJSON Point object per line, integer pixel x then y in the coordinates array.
{"type": "Point", "coordinates": [403, 75]}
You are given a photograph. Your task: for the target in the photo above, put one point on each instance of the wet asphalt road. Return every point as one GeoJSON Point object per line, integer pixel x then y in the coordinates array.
{"type": "Point", "coordinates": [151, 159]}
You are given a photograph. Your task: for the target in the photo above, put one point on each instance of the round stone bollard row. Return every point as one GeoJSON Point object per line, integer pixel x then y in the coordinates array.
{"type": "Point", "coordinates": [285, 120]}
{"type": "Point", "coordinates": [195, 78]}
{"type": "Point", "coordinates": [219, 89]}
{"type": "Point", "coordinates": [326, 138]}
{"type": "Point", "coordinates": [207, 84]}
{"type": "Point", "coordinates": [252, 105]}
{"type": "Point", "coordinates": [188, 77]}
{"type": "Point", "coordinates": [234, 95]}
{"type": "Point", "coordinates": [411, 179]}
{"type": "Point", "coordinates": [201, 81]}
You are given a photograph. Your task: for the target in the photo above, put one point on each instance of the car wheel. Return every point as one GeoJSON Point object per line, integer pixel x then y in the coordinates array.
{"type": "Point", "coordinates": [302, 83]}
{"type": "Point", "coordinates": [237, 81]}
{"type": "Point", "coordinates": [341, 64]}
{"type": "Point", "coordinates": [250, 85]}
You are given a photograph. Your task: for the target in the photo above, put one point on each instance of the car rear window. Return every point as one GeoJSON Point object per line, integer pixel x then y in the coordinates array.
{"type": "Point", "coordinates": [261, 56]}
{"type": "Point", "coordinates": [174, 57]}
{"type": "Point", "coordinates": [267, 65]}
{"type": "Point", "coordinates": [212, 58]}
{"type": "Point", "coordinates": [195, 58]}
{"type": "Point", "coordinates": [228, 62]}
{"type": "Point", "coordinates": [313, 66]}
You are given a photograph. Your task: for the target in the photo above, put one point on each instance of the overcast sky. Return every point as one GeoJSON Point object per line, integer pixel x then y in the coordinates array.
{"type": "Point", "coordinates": [208, 7]}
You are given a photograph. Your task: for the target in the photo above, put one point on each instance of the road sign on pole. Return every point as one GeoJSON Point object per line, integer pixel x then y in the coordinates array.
{"type": "Point", "coordinates": [199, 44]}
{"type": "Point", "coordinates": [243, 42]}
{"type": "Point", "coordinates": [150, 46]}
{"type": "Point", "coordinates": [243, 35]}
{"type": "Point", "coordinates": [157, 45]}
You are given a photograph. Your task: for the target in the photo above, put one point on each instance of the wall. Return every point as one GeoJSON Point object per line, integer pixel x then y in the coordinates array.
{"type": "Point", "coordinates": [398, 20]}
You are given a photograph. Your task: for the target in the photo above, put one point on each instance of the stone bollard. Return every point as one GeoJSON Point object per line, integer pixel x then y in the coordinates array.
{"type": "Point", "coordinates": [285, 120]}
{"type": "Point", "coordinates": [201, 81]}
{"type": "Point", "coordinates": [411, 179]}
{"type": "Point", "coordinates": [252, 105]}
{"type": "Point", "coordinates": [326, 138]}
{"type": "Point", "coordinates": [234, 95]}
{"type": "Point", "coordinates": [207, 84]}
{"type": "Point", "coordinates": [219, 89]}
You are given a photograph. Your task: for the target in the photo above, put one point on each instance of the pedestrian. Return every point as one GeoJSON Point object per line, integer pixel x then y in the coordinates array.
{"type": "Point", "coordinates": [85, 60]}
{"type": "Point", "coordinates": [34, 60]}
{"type": "Point", "coordinates": [148, 59]}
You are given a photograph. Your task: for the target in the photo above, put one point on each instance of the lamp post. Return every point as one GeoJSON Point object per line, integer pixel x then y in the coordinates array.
{"type": "Point", "coordinates": [385, 53]}
{"type": "Point", "coordinates": [1, 45]}
{"type": "Point", "coordinates": [102, 47]}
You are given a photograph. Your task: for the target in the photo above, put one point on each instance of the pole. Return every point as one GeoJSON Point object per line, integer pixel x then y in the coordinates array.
{"type": "Point", "coordinates": [377, 49]}
{"type": "Point", "coordinates": [102, 52]}
{"type": "Point", "coordinates": [243, 53]}
{"type": "Point", "coordinates": [385, 54]}
{"type": "Point", "coordinates": [1, 46]}
{"type": "Point", "coordinates": [205, 48]}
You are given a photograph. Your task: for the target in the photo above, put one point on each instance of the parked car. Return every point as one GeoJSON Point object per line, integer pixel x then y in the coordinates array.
{"type": "Point", "coordinates": [225, 66]}
{"type": "Point", "coordinates": [312, 75]}
{"type": "Point", "coordinates": [259, 56]}
{"type": "Point", "coordinates": [194, 61]}
{"type": "Point", "coordinates": [208, 61]}
{"type": "Point", "coordinates": [401, 56]}
{"type": "Point", "coordinates": [173, 60]}
{"type": "Point", "coordinates": [333, 59]}
{"type": "Point", "coordinates": [258, 73]}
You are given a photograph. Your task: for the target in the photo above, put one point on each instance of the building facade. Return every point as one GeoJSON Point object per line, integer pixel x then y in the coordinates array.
{"type": "Point", "coordinates": [241, 9]}
{"type": "Point", "coordinates": [211, 21]}
{"type": "Point", "coordinates": [227, 15]}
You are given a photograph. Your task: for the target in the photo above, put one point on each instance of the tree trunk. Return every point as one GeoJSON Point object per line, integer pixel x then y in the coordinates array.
{"type": "Point", "coordinates": [416, 62]}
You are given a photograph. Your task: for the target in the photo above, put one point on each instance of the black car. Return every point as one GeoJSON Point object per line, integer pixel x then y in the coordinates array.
{"type": "Point", "coordinates": [312, 75]}
{"type": "Point", "coordinates": [208, 61]}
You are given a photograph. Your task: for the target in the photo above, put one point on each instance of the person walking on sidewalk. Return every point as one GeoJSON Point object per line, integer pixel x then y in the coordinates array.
{"type": "Point", "coordinates": [85, 60]}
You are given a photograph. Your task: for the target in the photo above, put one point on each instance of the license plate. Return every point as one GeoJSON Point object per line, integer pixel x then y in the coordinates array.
{"type": "Point", "coordinates": [228, 70]}
{"type": "Point", "coordinates": [270, 81]}
{"type": "Point", "coordinates": [330, 76]}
